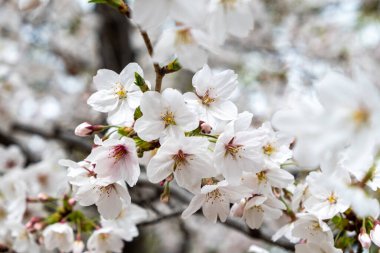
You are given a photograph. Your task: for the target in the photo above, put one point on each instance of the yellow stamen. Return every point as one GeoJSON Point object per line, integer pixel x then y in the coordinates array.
{"type": "Point", "coordinates": [168, 118]}
{"type": "Point", "coordinates": [269, 149]}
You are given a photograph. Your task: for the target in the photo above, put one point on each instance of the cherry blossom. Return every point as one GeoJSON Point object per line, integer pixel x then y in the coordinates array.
{"type": "Point", "coordinates": [60, 236]}
{"type": "Point", "coordinates": [164, 114]}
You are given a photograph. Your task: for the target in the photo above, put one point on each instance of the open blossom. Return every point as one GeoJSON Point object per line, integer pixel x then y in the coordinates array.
{"type": "Point", "coordinates": [108, 197]}
{"type": "Point", "coordinates": [237, 151]}
{"type": "Point", "coordinates": [230, 17]}
{"type": "Point", "coordinates": [116, 160]}
{"type": "Point", "coordinates": [338, 120]}
{"type": "Point", "coordinates": [263, 181]}
{"type": "Point", "coordinates": [164, 115]}
{"type": "Point", "coordinates": [105, 240]}
{"type": "Point", "coordinates": [59, 236]}
{"type": "Point", "coordinates": [275, 148]}
{"type": "Point", "coordinates": [118, 95]}
{"type": "Point", "coordinates": [24, 241]}
{"type": "Point", "coordinates": [211, 96]}
{"type": "Point", "coordinates": [125, 223]}
{"type": "Point", "coordinates": [11, 158]}
{"type": "Point", "coordinates": [187, 44]}
{"type": "Point", "coordinates": [259, 207]}
{"type": "Point", "coordinates": [312, 229]}
{"type": "Point", "coordinates": [326, 200]}
{"type": "Point", "coordinates": [313, 247]}
{"type": "Point", "coordinates": [188, 158]}
{"type": "Point", "coordinates": [215, 200]}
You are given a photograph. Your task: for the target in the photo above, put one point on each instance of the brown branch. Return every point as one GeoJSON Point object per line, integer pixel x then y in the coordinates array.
{"type": "Point", "coordinates": [164, 217]}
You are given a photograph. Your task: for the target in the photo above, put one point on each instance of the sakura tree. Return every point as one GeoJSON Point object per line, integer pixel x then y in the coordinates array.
{"type": "Point", "coordinates": [299, 176]}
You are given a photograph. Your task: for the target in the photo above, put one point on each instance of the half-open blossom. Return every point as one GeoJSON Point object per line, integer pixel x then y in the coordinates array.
{"type": "Point", "coordinates": [364, 239]}
{"type": "Point", "coordinates": [118, 95]}
{"type": "Point", "coordinates": [104, 240]}
{"type": "Point", "coordinates": [58, 236]}
{"type": "Point", "coordinates": [259, 207]}
{"type": "Point", "coordinates": [188, 158]}
{"type": "Point", "coordinates": [164, 114]}
{"type": "Point", "coordinates": [108, 197]}
{"type": "Point", "coordinates": [116, 160]}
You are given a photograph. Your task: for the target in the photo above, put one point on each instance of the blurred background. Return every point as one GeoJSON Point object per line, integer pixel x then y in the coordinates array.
{"type": "Point", "coordinates": [48, 57]}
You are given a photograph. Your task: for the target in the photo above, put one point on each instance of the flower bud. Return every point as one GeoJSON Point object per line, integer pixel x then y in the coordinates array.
{"type": "Point", "coordinates": [364, 239]}
{"type": "Point", "coordinates": [86, 129]}
{"type": "Point", "coordinates": [206, 128]}
{"type": "Point", "coordinates": [375, 234]}
{"type": "Point", "coordinates": [237, 209]}
{"type": "Point", "coordinates": [78, 246]}
{"type": "Point", "coordinates": [42, 197]}
{"type": "Point", "coordinates": [72, 202]}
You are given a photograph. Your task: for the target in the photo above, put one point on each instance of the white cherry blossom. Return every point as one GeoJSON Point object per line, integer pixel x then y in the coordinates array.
{"type": "Point", "coordinates": [59, 236]}
{"type": "Point", "coordinates": [211, 96]}
{"type": "Point", "coordinates": [188, 158]}
{"type": "Point", "coordinates": [117, 94]}
{"type": "Point", "coordinates": [105, 240]}
{"type": "Point", "coordinates": [215, 200]}
{"type": "Point", "coordinates": [164, 115]}
{"type": "Point", "coordinates": [116, 159]}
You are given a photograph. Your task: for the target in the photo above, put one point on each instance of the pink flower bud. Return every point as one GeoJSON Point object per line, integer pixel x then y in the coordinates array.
{"type": "Point", "coordinates": [83, 129]}
{"type": "Point", "coordinates": [86, 129]}
{"type": "Point", "coordinates": [364, 239]}
{"type": "Point", "coordinates": [206, 128]}
{"type": "Point", "coordinates": [42, 196]}
{"type": "Point", "coordinates": [72, 202]}
{"type": "Point", "coordinates": [78, 246]}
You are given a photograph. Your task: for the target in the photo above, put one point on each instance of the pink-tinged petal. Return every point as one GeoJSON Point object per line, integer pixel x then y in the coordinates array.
{"type": "Point", "coordinates": [109, 205]}
{"type": "Point", "coordinates": [123, 193]}
{"type": "Point", "coordinates": [159, 168]}
{"type": "Point", "coordinates": [195, 204]}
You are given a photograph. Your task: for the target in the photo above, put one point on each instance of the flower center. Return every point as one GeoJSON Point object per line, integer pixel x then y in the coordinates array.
{"type": "Point", "coordinates": [179, 159]}
{"type": "Point", "coordinates": [206, 99]}
{"type": "Point", "coordinates": [184, 37]}
{"type": "Point", "coordinates": [168, 118]}
{"type": "Point", "coordinates": [332, 199]}
{"type": "Point", "coordinates": [262, 176]}
{"type": "Point", "coordinates": [214, 195]}
{"type": "Point", "coordinates": [104, 236]}
{"type": "Point", "coordinates": [268, 149]}
{"type": "Point", "coordinates": [118, 152]}
{"type": "Point", "coordinates": [361, 116]}
{"type": "Point", "coordinates": [120, 91]}
{"type": "Point", "coordinates": [232, 149]}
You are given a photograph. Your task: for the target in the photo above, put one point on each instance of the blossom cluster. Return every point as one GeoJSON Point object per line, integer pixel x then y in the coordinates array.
{"type": "Point", "coordinates": [313, 168]}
